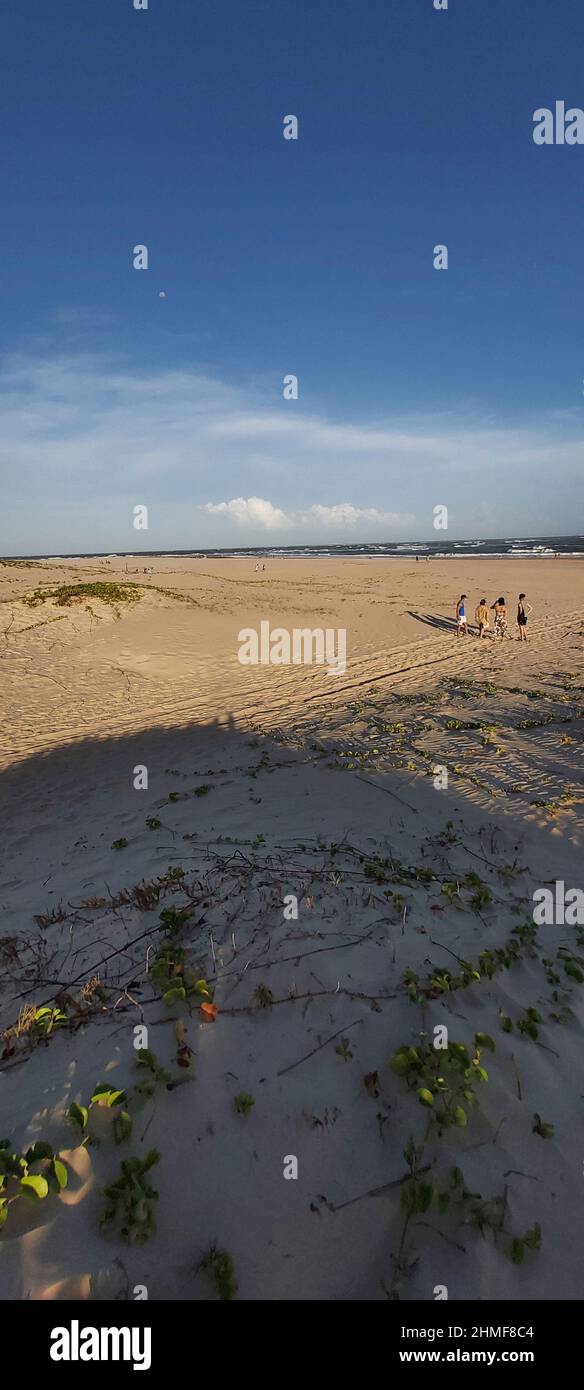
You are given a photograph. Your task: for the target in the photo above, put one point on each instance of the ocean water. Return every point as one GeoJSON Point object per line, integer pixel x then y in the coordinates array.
{"type": "Point", "coordinates": [521, 547]}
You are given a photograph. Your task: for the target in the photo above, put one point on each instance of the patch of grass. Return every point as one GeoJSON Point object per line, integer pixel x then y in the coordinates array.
{"type": "Point", "coordinates": [175, 918]}
{"type": "Point", "coordinates": [54, 914]}
{"type": "Point", "coordinates": [523, 941]}
{"type": "Point", "coordinates": [482, 895]}
{"type": "Point", "coordinates": [262, 997]}
{"type": "Point", "coordinates": [169, 973]}
{"type": "Point", "coordinates": [343, 1050]}
{"type": "Point", "coordinates": [541, 1127]}
{"type": "Point", "coordinates": [130, 1199]}
{"type": "Point", "coordinates": [65, 595]}
{"type": "Point", "coordinates": [32, 1025]}
{"type": "Point", "coordinates": [220, 1270]}
{"type": "Point", "coordinates": [243, 1103]}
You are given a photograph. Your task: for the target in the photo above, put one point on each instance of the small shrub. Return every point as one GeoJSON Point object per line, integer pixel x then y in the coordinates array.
{"type": "Point", "coordinates": [220, 1270]}
{"type": "Point", "coordinates": [17, 1178]}
{"type": "Point", "coordinates": [243, 1103]}
{"type": "Point", "coordinates": [130, 1199]}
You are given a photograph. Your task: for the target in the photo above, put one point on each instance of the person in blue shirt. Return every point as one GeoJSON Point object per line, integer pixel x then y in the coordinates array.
{"type": "Point", "coordinates": [461, 624]}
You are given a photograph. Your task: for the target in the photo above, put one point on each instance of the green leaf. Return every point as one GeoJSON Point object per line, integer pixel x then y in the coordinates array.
{"type": "Point", "coordinates": [507, 1025]}
{"type": "Point", "coordinates": [410, 1152]}
{"type": "Point", "coordinates": [400, 1063]}
{"type": "Point", "coordinates": [60, 1172]}
{"type": "Point", "coordinates": [527, 1026]}
{"type": "Point", "coordinates": [146, 1058]}
{"type": "Point", "coordinates": [408, 1197]}
{"type": "Point", "coordinates": [79, 1114]}
{"type": "Point", "coordinates": [515, 1251]}
{"type": "Point", "coordinates": [171, 996]}
{"type": "Point", "coordinates": [122, 1126]}
{"type": "Point", "coordinates": [106, 1094]}
{"type": "Point", "coordinates": [484, 1040]}
{"type": "Point", "coordinates": [542, 1127]}
{"type": "Point", "coordinates": [532, 1238]}
{"type": "Point", "coordinates": [102, 1090]}
{"type": "Point", "coordinates": [37, 1152]}
{"type": "Point", "coordinates": [34, 1186]}
{"type": "Point", "coordinates": [152, 1157]}
{"type": "Point", "coordinates": [3, 1210]}
{"type": "Point", "coordinates": [459, 1116]}
{"type": "Point", "coordinates": [425, 1096]}
{"type": "Point", "coordinates": [424, 1196]}
{"type": "Point", "coordinates": [116, 1098]}
{"type": "Point", "coordinates": [459, 1054]}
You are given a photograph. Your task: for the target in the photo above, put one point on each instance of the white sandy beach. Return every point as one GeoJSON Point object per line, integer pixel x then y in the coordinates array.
{"type": "Point", "coordinates": [266, 782]}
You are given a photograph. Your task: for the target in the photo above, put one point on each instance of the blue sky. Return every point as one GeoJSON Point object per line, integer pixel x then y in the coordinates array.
{"type": "Point", "coordinates": [417, 387]}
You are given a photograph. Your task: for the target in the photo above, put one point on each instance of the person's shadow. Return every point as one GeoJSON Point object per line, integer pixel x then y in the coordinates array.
{"type": "Point", "coordinates": [443, 624]}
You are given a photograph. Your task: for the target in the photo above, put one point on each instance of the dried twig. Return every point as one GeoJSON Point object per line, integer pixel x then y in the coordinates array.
{"type": "Point", "coordinates": [345, 1029]}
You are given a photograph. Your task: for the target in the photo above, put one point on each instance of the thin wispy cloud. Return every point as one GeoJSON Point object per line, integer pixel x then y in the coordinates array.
{"type": "Point", "coordinates": [85, 438]}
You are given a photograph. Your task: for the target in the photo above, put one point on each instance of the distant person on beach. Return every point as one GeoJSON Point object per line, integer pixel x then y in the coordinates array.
{"type": "Point", "coordinates": [461, 626]}
{"type": "Point", "coordinates": [482, 617]}
{"type": "Point", "coordinates": [500, 609]}
{"type": "Point", "coordinates": [522, 613]}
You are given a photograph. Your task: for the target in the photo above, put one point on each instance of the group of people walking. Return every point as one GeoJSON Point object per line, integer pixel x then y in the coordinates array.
{"type": "Point", "coordinates": [482, 618]}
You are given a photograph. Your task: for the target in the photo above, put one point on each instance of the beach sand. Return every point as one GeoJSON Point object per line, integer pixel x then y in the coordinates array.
{"type": "Point", "coordinates": [268, 784]}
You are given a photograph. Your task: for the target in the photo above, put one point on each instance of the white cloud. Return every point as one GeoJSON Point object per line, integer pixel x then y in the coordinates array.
{"type": "Point", "coordinates": [257, 511]}
{"type": "Point", "coordinates": [344, 515]}
{"type": "Point", "coordinates": [250, 511]}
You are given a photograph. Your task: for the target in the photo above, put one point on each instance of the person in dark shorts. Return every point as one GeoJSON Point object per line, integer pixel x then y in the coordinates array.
{"type": "Point", "coordinates": [522, 612]}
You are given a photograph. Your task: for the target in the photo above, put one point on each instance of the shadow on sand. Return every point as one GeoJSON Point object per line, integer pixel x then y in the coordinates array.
{"type": "Point", "coordinates": [245, 815]}
{"type": "Point", "coordinates": [431, 619]}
